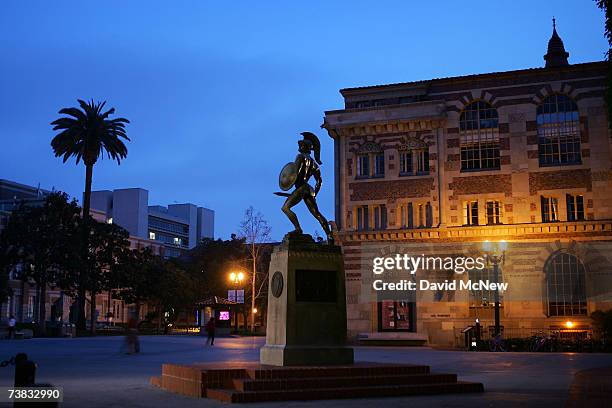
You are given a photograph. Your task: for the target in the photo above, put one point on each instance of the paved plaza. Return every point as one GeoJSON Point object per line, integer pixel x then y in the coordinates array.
{"type": "Point", "coordinates": [94, 373]}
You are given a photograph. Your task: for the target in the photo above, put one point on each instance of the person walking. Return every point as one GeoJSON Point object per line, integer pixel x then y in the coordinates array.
{"type": "Point", "coordinates": [210, 330]}
{"type": "Point", "coordinates": [12, 322]}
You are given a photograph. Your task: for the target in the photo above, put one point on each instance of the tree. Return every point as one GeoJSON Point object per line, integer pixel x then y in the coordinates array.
{"type": "Point", "coordinates": [107, 243]}
{"type": "Point", "coordinates": [603, 4]}
{"type": "Point", "coordinates": [254, 229]}
{"type": "Point", "coordinates": [38, 243]}
{"type": "Point", "coordinates": [210, 263]}
{"type": "Point", "coordinates": [85, 134]}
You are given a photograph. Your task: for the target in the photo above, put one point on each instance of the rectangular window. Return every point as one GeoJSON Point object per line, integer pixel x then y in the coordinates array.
{"type": "Point", "coordinates": [575, 207]}
{"type": "Point", "coordinates": [422, 161]}
{"type": "Point", "coordinates": [470, 213]}
{"type": "Point", "coordinates": [363, 165]}
{"type": "Point", "coordinates": [363, 223]}
{"type": "Point", "coordinates": [480, 150]}
{"type": "Point", "coordinates": [421, 216]}
{"type": "Point", "coordinates": [493, 212]}
{"type": "Point", "coordinates": [414, 162]}
{"type": "Point", "coordinates": [550, 209]}
{"type": "Point", "coordinates": [379, 165]}
{"type": "Point", "coordinates": [406, 216]}
{"type": "Point", "coordinates": [380, 217]}
{"type": "Point", "coordinates": [428, 215]}
{"type": "Point", "coordinates": [406, 163]}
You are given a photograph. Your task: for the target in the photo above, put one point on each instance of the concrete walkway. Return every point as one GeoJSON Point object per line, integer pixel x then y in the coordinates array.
{"type": "Point", "coordinates": [94, 373]}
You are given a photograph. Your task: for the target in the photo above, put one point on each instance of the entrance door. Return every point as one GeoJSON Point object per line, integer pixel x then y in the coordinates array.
{"type": "Point", "coordinates": [396, 315]}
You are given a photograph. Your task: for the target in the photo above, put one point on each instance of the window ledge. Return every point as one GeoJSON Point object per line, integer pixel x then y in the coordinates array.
{"type": "Point", "coordinates": [561, 164]}
{"type": "Point", "coordinates": [478, 170]}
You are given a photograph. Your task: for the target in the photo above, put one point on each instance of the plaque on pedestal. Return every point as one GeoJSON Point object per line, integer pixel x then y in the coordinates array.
{"type": "Point", "coordinates": [306, 305]}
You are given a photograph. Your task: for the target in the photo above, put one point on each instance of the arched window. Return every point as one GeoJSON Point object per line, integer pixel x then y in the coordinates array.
{"type": "Point", "coordinates": [478, 125]}
{"type": "Point", "coordinates": [565, 286]}
{"type": "Point", "coordinates": [558, 131]}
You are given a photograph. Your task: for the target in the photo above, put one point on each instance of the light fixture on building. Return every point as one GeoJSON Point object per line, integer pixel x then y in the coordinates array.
{"type": "Point", "coordinates": [254, 310]}
{"type": "Point", "coordinates": [110, 220]}
{"type": "Point", "coordinates": [151, 235]}
{"type": "Point", "coordinates": [569, 324]}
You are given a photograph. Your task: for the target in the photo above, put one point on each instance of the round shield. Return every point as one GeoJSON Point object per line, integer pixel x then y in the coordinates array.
{"type": "Point", "coordinates": [287, 176]}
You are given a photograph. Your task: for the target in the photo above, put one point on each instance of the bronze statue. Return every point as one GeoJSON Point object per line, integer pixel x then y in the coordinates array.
{"type": "Point", "coordinates": [297, 174]}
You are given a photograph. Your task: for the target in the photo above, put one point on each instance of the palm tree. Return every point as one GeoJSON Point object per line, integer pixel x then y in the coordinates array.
{"type": "Point", "coordinates": [85, 134]}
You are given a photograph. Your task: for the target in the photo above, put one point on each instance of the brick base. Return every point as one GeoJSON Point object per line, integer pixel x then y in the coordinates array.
{"type": "Point", "coordinates": [252, 382]}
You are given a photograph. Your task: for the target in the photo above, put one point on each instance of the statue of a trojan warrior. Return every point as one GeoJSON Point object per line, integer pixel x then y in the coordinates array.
{"type": "Point", "coordinates": [297, 174]}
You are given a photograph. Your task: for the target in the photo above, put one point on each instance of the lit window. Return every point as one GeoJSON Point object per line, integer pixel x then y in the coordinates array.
{"type": "Point", "coordinates": [470, 213]}
{"type": "Point", "coordinates": [177, 241]}
{"type": "Point", "coordinates": [565, 284]}
{"type": "Point", "coordinates": [558, 131]}
{"type": "Point", "coordinates": [151, 235]}
{"type": "Point", "coordinates": [550, 209]}
{"type": "Point", "coordinates": [406, 216]}
{"type": "Point", "coordinates": [575, 207]}
{"type": "Point", "coordinates": [493, 212]}
{"type": "Point", "coordinates": [484, 298]}
{"type": "Point", "coordinates": [110, 220]}
{"type": "Point", "coordinates": [479, 133]}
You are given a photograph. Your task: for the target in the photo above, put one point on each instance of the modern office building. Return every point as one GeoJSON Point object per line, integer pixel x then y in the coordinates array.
{"type": "Point", "coordinates": [179, 227]}
{"type": "Point", "coordinates": [438, 167]}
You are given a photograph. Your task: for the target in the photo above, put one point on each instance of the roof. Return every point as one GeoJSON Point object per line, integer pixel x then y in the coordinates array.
{"type": "Point", "coordinates": [488, 75]}
{"type": "Point", "coordinates": [214, 301]}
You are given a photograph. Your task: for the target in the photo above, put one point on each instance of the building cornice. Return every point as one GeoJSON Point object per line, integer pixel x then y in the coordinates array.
{"type": "Point", "coordinates": [582, 230]}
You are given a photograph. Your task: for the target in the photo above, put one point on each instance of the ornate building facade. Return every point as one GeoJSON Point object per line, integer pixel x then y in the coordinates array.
{"type": "Point", "coordinates": [438, 167]}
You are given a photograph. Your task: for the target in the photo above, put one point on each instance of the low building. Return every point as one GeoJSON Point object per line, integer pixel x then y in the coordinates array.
{"type": "Point", "coordinates": [23, 301]}
{"type": "Point", "coordinates": [437, 167]}
{"type": "Point", "coordinates": [178, 227]}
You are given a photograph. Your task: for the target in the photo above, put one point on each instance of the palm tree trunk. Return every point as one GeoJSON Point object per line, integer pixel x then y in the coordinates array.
{"type": "Point", "coordinates": [92, 313]}
{"type": "Point", "coordinates": [85, 271]}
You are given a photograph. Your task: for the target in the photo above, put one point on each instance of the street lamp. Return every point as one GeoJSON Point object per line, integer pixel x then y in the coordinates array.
{"type": "Point", "coordinates": [236, 278]}
{"type": "Point", "coordinates": [495, 254]}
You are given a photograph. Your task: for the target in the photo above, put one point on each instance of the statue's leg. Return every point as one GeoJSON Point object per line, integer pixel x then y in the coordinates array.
{"type": "Point", "coordinates": [311, 203]}
{"type": "Point", "coordinates": [291, 201]}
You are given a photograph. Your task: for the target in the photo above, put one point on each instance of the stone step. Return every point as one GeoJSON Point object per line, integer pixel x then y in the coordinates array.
{"type": "Point", "coordinates": [356, 370]}
{"type": "Point", "coordinates": [234, 396]}
{"type": "Point", "coordinates": [340, 382]}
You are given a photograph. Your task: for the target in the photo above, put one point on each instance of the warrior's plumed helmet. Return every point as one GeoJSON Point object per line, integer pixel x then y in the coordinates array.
{"type": "Point", "coordinates": [315, 144]}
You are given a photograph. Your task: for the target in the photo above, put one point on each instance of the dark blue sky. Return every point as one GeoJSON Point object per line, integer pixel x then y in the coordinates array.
{"type": "Point", "coordinates": [217, 92]}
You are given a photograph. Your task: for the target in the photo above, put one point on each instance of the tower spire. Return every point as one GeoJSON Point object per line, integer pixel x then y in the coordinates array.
{"type": "Point", "coordinates": [556, 56]}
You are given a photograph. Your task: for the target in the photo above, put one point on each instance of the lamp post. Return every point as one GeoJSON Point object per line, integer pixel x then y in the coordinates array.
{"type": "Point", "coordinates": [236, 279]}
{"type": "Point", "coordinates": [495, 254]}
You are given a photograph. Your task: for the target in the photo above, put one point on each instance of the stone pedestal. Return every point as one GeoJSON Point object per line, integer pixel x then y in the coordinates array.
{"type": "Point", "coordinates": [306, 305]}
